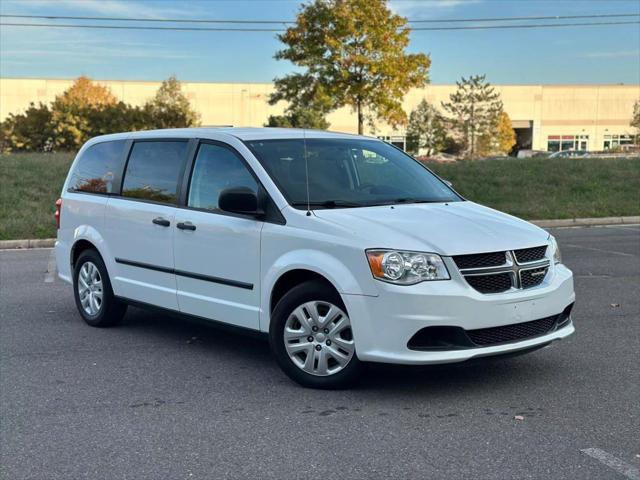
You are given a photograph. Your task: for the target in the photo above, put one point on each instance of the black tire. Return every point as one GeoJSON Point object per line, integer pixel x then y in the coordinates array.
{"type": "Point", "coordinates": [111, 310]}
{"type": "Point", "coordinates": [308, 292]}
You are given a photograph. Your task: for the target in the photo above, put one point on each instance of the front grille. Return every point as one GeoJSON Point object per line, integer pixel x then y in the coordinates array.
{"type": "Point", "coordinates": [510, 333]}
{"type": "Point", "coordinates": [497, 283]}
{"type": "Point", "coordinates": [530, 254]}
{"type": "Point", "coordinates": [480, 260]}
{"type": "Point", "coordinates": [533, 277]}
{"type": "Point", "coordinates": [498, 272]}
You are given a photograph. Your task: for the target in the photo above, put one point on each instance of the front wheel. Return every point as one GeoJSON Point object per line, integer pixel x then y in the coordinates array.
{"type": "Point", "coordinates": [312, 339]}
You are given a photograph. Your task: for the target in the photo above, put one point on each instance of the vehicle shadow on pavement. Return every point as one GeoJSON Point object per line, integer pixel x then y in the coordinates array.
{"type": "Point", "coordinates": [196, 332]}
{"type": "Point", "coordinates": [233, 347]}
{"type": "Point", "coordinates": [473, 377]}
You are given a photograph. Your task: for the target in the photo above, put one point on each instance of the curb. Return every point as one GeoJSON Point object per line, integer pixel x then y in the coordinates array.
{"type": "Point", "coordinates": [29, 243]}
{"type": "Point", "coordinates": [587, 222]}
{"type": "Point", "coordinates": [568, 222]}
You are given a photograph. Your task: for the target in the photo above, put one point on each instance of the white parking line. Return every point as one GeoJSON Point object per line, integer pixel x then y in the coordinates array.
{"type": "Point", "coordinates": [625, 226]}
{"type": "Point", "coordinates": [571, 245]}
{"type": "Point", "coordinates": [614, 463]}
{"type": "Point", "coordinates": [50, 275]}
{"type": "Point", "coordinates": [629, 226]}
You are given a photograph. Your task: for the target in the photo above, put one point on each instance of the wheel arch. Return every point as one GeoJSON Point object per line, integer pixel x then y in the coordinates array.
{"type": "Point", "coordinates": [292, 278]}
{"type": "Point", "coordinates": [87, 237]}
{"type": "Point", "coordinates": [295, 267]}
{"type": "Point", "coordinates": [80, 246]}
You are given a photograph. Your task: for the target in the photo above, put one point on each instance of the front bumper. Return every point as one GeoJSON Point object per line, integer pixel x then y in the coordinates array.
{"type": "Point", "coordinates": [383, 325]}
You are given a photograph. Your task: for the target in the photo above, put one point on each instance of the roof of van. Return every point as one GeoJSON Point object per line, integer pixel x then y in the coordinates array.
{"type": "Point", "coordinates": [266, 133]}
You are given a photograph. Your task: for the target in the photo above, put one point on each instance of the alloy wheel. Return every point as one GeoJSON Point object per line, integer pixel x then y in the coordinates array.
{"type": "Point", "coordinates": [318, 338]}
{"type": "Point", "coordinates": [90, 288]}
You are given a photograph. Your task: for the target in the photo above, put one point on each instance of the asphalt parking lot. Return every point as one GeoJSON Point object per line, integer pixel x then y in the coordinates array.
{"type": "Point", "coordinates": [163, 398]}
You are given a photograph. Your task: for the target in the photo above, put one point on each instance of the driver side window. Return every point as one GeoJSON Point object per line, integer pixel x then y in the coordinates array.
{"type": "Point", "coordinates": [216, 169]}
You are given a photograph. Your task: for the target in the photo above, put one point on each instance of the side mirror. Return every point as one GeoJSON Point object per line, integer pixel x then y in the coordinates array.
{"type": "Point", "coordinates": [240, 200]}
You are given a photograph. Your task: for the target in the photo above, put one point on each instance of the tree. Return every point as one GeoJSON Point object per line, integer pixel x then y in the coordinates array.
{"type": "Point", "coordinates": [635, 120]}
{"type": "Point", "coordinates": [474, 109]}
{"type": "Point", "coordinates": [86, 110]}
{"type": "Point", "coordinates": [85, 93]}
{"type": "Point", "coordinates": [71, 109]}
{"type": "Point", "coordinates": [299, 118]}
{"type": "Point", "coordinates": [505, 134]}
{"type": "Point", "coordinates": [351, 53]}
{"type": "Point", "coordinates": [500, 139]}
{"type": "Point", "coordinates": [170, 108]}
{"type": "Point", "coordinates": [426, 130]}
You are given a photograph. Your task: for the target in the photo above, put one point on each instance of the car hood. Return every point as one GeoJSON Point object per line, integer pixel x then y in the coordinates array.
{"type": "Point", "coordinates": [455, 228]}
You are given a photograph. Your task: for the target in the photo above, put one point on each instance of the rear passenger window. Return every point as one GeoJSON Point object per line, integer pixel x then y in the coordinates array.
{"type": "Point", "coordinates": [96, 168]}
{"type": "Point", "coordinates": [216, 169]}
{"type": "Point", "coordinates": [153, 170]}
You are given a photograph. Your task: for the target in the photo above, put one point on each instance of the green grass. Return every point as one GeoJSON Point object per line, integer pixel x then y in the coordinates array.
{"type": "Point", "coordinates": [30, 183]}
{"type": "Point", "coordinates": [528, 188]}
{"type": "Point", "coordinates": [550, 188]}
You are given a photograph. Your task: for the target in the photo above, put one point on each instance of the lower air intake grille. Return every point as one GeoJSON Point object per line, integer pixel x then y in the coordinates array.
{"type": "Point", "coordinates": [497, 283]}
{"type": "Point", "coordinates": [510, 333]}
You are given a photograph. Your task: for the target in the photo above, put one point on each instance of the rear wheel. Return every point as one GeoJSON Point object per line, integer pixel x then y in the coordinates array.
{"type": "Point", "coordinates": [312, 339]}
{"type": "Point", "coordinates": [93, 293]}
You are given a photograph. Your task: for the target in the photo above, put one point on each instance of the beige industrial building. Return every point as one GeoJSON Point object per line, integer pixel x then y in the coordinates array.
{"type": "Point", "coordinates": [545, 117]}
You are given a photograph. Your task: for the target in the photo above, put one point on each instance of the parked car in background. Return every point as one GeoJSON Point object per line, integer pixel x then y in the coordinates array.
{"type": "Point", "coordinates": [570, 154]}
{"type": "Point", "coordinates": [532, 154]}
{"type": "Point", "coordinates": [342, 249]}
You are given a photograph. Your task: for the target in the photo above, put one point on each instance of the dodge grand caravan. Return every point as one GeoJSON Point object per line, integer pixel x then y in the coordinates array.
{"type": "Point", "coordinates": [343, 249]}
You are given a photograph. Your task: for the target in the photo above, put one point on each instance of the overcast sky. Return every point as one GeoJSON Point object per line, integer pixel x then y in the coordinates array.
{"type": "Point", "coordinates": [600, 54]}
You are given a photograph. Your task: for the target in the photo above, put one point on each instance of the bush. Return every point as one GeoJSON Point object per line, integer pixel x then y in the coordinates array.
{"type": "Point", "coordinates": [31, 131]}
{"type": "Point", "coordinates": [299, 118]}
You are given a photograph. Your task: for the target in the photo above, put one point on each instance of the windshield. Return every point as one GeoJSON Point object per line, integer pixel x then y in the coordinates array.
{"type": "Point", "coordinates": [348, 173]}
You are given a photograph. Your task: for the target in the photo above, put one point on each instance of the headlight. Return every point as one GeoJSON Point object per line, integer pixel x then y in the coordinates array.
{"type": "Point", "coordinates": [406, 268]}
{"type": "Point", "coordinates": [555, 250]}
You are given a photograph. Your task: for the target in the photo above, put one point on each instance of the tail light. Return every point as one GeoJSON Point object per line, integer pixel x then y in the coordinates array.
{"type": "Point", "coordinates": [57, 214]}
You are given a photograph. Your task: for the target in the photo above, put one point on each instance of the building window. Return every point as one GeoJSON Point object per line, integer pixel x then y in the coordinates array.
{"type": "Point", "coordinates": [613, 142]}
{"type": "Point", "coordinates": [563, 143]}
{"type": "Point", "coordinates": [396, 140]}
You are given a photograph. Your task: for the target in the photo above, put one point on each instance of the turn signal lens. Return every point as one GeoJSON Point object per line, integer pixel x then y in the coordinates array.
{"type": "Point", "coordinates": [557, 257]}
{"type": "Point", "coordinates": [406, 268]}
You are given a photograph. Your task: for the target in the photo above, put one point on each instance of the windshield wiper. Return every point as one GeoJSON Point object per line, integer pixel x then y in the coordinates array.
{"type": "Point", "coordinates": [329, 204]}
{"type": "Point", "coordinates": [412, 200]}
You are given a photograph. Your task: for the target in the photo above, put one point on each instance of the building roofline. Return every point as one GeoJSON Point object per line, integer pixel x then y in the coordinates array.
{"type": "Point", "coordinates": [66, 79]}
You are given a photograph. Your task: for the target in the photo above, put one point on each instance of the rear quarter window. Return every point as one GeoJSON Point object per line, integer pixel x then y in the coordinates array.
{"type": "Point", "coordinates": [96, 169]}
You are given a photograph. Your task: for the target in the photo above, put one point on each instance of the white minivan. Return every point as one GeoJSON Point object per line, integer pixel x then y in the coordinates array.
{"type": "Point", "coordinates": [342, 248]}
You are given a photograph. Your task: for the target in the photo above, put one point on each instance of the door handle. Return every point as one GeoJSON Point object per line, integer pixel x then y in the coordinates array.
{"type": "Point", "coordinates": [163, 222]}
{"type": "Point", "coordinates": [186, 226]}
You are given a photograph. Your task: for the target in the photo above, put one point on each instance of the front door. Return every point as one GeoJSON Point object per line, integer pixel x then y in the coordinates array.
{"type": "Point", "coordinates": [217, 254]}
{"type": "Point", "coordinates": [140, 226]}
